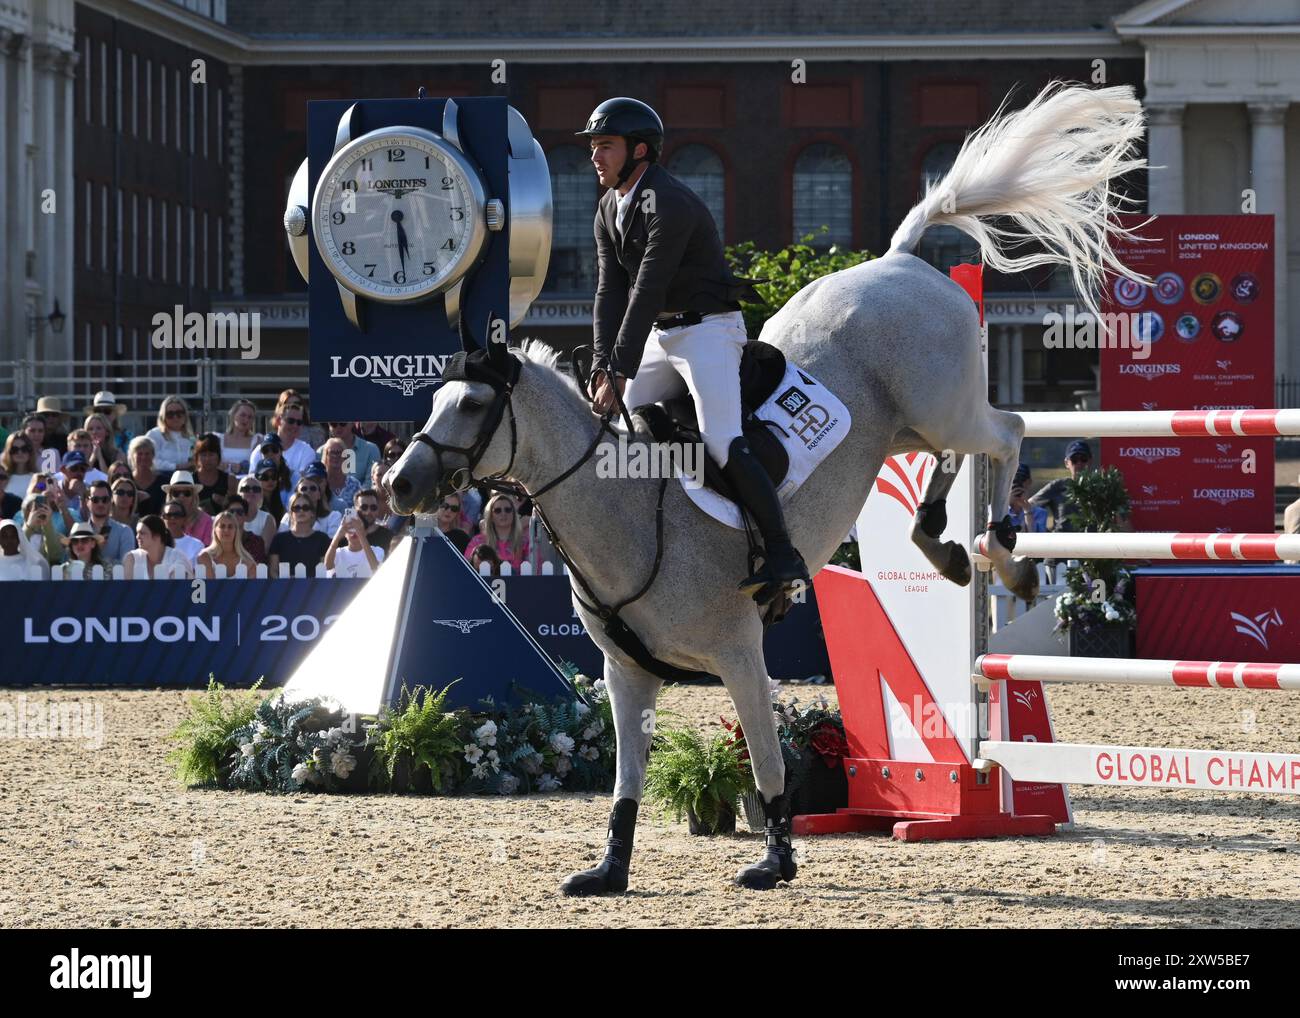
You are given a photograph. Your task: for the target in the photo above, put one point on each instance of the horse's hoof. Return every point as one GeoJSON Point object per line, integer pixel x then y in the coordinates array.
{"type": "Point", "coordinates": [1025, 586]}
{"type": "Point", "coordinates": [958, 568]}
{"type": "Point", "coordinates": [763, 876]}
{"type": "Point", "coordinates": [590, 883]}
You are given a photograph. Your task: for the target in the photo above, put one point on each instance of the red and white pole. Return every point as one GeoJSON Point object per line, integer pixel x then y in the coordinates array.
{"type": "Point", "coordinates": [1128, 671]}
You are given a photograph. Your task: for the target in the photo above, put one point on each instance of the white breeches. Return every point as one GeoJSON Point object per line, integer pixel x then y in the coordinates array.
{"type": "Point", "coordinates": [703, 359]}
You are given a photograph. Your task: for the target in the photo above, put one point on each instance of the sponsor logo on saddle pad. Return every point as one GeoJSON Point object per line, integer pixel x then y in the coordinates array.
{"type": "Point", "coordinates": [810, 422]}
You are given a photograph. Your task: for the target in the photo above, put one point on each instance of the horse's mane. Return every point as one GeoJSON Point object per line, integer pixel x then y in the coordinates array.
{"type": "Point", "coordinates": [536, 351]}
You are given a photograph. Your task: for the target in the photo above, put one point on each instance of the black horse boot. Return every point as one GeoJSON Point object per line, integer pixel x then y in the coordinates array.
{"type": "Point", "coordinates": [782, 564]}
{"type": "Point", "coordinates": [778, 859]}
{"type": "Point", "coordinates": [611, 874]}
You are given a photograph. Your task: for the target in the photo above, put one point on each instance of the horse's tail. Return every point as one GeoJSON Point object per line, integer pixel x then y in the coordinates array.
{"type": "Point", "coordinates": [1047, 170]}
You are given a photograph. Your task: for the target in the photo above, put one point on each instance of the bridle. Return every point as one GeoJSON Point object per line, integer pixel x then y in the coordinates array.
{"type": "Point", "coordinates": [478, 366]}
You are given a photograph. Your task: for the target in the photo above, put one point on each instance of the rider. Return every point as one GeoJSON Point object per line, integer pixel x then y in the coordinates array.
{"type": "Point", "coordinates": [667, 318]}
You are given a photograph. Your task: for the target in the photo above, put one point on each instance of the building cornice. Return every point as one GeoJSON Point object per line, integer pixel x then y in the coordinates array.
{"type": "Point", "coordinates": [226, 44]}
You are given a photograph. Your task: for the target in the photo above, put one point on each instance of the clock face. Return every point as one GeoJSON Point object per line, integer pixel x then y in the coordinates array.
{"type": "Point", "coordinates": [398, 215]}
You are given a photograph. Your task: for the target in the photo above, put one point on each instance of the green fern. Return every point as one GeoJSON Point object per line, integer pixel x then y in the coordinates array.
{"type": "Point", "coordinates": [686, 773]}
{"type": "Point", "coordinates": [418, 729]}
{"type": "Point", "coordinates": [204, 735]}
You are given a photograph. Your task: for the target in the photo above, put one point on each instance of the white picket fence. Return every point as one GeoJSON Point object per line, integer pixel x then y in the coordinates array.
{"type": "Point", "coordinates": [1005, 607]}
{"type": "Point", "coordinates": [76, 571]}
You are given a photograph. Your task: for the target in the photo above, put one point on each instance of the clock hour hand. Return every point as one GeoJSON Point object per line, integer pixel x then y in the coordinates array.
{"type": "Point", "coordinates": [402, 245]}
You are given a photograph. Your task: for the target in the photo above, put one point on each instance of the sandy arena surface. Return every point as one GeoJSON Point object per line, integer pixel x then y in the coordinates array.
{"type": "Point", "coordinates": [107, 837]}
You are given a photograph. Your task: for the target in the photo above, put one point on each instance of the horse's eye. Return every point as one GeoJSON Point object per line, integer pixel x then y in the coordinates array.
{"type": "Point", "coordinates": [470, 405]}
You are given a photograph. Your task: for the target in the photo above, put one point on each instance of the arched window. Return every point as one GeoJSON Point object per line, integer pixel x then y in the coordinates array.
{"type": "Point", "coordinates": [700, 169]}
{"type": "Point", "coordinates": [943, 246]}
{"type": "Point", "coordinates": [823, 195]}
{"type": "Point", "coordinates": [573, 196]}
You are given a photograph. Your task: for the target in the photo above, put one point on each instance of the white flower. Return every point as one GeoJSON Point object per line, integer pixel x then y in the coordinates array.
{"type": "Point", "coordinates": [581, 680]}
{"type": "Point", "coordinates": [246, 748]}
{"type": "Point", "coordinates": [581, 708]}
{"type": "Point", "coordinates": [342, 763]}
{"type": "Point", "coordinates": [493, 756]}
{"type": "Point", "coordinates": [561, 743]}
{"type": "Point", "coordinates": [547, 783]}
{"type": "Point", "coordinates": [589, 752]}
{"type": "Point", "coordinates": [472, 753]}
{"type": "Point", "coordinates": [599, 686]}
{"type": "Point", "coordinates": [591, 731]}
{"type": "Point", "coordinates": [563, 765]}
{"type": "Point", "coordinates": [486, 734]}
{"type": "Point", "coordinates": [334, 735]}
{"type": "Point", "coordinates": [508, 785]}
{"type": "Point", "coordinates": [480, 770]}
{"type": "Point", "coordinates": [301, 773]}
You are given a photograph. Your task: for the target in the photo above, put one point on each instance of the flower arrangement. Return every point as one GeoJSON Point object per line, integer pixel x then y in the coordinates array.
{"type": "Point", "coordinates": [279, 746]}
{"type": "Point", "coordinates": [1099, 592]}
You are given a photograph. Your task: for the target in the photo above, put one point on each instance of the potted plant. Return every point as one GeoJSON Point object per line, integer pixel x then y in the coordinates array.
{"type": "Point", "coordinates": [417, 746]}
{"type": "Point", "coordinates": [1096, 608]}
{"type": "Point", "coordinates": [701, 780]}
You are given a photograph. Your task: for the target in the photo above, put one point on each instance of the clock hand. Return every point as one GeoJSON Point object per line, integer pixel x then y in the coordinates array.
{"type": "Point", "coordinates": [402, 245]}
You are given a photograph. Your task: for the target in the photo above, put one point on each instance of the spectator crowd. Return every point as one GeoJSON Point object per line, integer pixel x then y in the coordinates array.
{"type": "Point", "coordinates": [173, 503]}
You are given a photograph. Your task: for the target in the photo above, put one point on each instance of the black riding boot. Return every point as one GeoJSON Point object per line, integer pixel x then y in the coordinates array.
{"type": "Point", "coordinates": [611, 874]}
{"type": "Point", "coordinates": [782, 564]}
{"type": "Point", "coordinates": [778, 860]}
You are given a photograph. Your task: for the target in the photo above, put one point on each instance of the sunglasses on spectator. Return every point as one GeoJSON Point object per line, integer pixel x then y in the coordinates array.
{"type": "Point", "coordinates": [236, 511]}
{"type": "Point", "coordinates": [291, 420]}
{"type": "Point", "coordinates": [504, 509]}
{"type": "Point", "coordinates": [123, 493]}
{"type": "Point", "coordinates": [372, 507]}
{"type": "Point", "coordinates": [182, 493]}
{"type": "Point", "coordinates": [1080, 459]}
{"type": "Point", "coordinates": [175, 412]}
{"type": "Point", "coordinates": [252, 489]}
{"type": "Point", "coordinates": [268, 477]}
{"type": "Point", "coordinates": [173, 516]}
{"type": "Point", "coordinates": [99, 499]}
{"type": "Point", "coordinates": [21, 448]}
{"type": "Point", "coordinates": [454, 507]}
{"type": "Point", "coordinates": [301, 509]}
{"type": "Point", "coordinates": [313, 488]}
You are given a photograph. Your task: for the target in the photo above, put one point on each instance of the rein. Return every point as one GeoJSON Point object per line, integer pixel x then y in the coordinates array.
{"type": "Point", "coordinates": [503, 405]}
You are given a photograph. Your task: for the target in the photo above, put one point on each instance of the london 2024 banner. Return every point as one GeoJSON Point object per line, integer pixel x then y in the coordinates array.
{"type": "Point", "coordinates": [1209, 321]}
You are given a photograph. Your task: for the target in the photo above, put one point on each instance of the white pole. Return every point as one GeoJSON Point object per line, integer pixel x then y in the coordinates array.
{"type": "Point", "coordinates": [1137, 672]}
{"type": "Point", "coordinates": [1148, 423]}
{"type": "Point", "coordinates": [1187, 547]}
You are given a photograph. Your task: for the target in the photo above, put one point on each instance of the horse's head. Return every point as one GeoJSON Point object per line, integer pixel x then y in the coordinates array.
{"type": "Point", "coordinates": [470, 434]}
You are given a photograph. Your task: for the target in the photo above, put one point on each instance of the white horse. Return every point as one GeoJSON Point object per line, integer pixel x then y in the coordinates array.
{"type": "Point", "coordinates": [896, 338]}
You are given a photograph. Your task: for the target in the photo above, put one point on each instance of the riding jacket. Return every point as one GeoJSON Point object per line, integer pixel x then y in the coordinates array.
{"type": "Point", "coordinates": [669, 260]}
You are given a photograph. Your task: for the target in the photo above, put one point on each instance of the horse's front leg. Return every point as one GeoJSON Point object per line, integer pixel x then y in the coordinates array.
{"type": "Point", "coordinates": [746, 680]}
{"type": "Point", "coordinates": [632, 695]}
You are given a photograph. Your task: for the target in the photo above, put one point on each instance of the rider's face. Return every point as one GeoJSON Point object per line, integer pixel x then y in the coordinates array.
{"type": "Point", "coordinates": [608, 151]}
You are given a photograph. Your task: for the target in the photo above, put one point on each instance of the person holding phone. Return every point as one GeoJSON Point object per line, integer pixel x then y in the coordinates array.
{"type": "Point", "coordinates": [350, 553]}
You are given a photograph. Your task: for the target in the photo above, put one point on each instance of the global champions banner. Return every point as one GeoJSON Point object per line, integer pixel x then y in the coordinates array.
{"type": "Point", "coordinates": [1209, 323]}
{"type": "Point", "coordinates": [150, 633]}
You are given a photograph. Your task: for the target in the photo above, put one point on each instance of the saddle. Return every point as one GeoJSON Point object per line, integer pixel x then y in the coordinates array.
{"type": "Point", "coordinates": [674, 421]}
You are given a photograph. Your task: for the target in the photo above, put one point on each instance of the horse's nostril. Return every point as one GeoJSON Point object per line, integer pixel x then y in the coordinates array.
{"type": "Point", "coordinates": [401, 486]}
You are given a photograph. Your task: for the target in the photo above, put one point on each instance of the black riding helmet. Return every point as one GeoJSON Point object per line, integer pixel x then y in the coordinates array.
{"type": "Point", "coordinates": [634, 121]}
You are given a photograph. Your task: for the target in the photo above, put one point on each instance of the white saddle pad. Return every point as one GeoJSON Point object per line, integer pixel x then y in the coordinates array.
{"type": "Point", "coordinates": [810, 421]}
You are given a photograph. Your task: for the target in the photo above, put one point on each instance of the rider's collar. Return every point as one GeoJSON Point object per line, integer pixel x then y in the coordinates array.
{"type": "Point", "coordinates": [479, 366]}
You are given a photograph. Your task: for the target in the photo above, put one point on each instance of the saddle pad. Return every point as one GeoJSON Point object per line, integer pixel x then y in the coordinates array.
{"type": "Point", "coordinates": [810, 421]}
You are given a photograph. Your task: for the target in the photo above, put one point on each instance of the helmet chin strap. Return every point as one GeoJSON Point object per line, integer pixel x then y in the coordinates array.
{"type": "Point", "coordinates": [629, 164]}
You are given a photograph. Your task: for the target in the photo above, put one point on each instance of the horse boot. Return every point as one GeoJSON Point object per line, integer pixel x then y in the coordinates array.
{"type": "Point", "coordinates": [611, 874]}
{"type": "Point", "coordinates": [782, 564]}
{"type": "Point", "coordinates": [778, 859]}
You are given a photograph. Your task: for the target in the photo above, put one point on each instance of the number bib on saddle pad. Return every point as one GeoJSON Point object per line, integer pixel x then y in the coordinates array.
{"type": "Point", "coordinates": [807, 419]}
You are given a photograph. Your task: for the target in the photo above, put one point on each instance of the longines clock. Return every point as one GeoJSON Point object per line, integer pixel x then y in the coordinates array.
{"type": "Point", "coordinates": [405, 216]}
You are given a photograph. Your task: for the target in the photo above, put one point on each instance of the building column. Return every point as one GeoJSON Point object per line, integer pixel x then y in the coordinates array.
{"type": "Point", "coordinates": [12, 345]}
{"type": "Point", "coordinates": [1003, 334]}
{"type": "Point", "coordinates": [235, 166]}
{"type": "Point", "coordinates": [45, 167]}
{"type": "Point", "coordinates": [1017, 365]}
{"type": "Point", "coordinates": [1165, 158]}
{"type": "Point", "coordinates": [1268, 178]}
{"type": "Point", "coordinates": [67, 185]}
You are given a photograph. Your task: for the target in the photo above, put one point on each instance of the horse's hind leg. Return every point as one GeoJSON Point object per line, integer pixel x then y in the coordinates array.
{"type": "Point", "coordinates": [1004, 432]}
{"type": "Point", "coordinates": [632, 694]}
{"type": "Point", "coordinates": [745, 676]}
{"type": "Point", "coordinates": [949, 557]}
